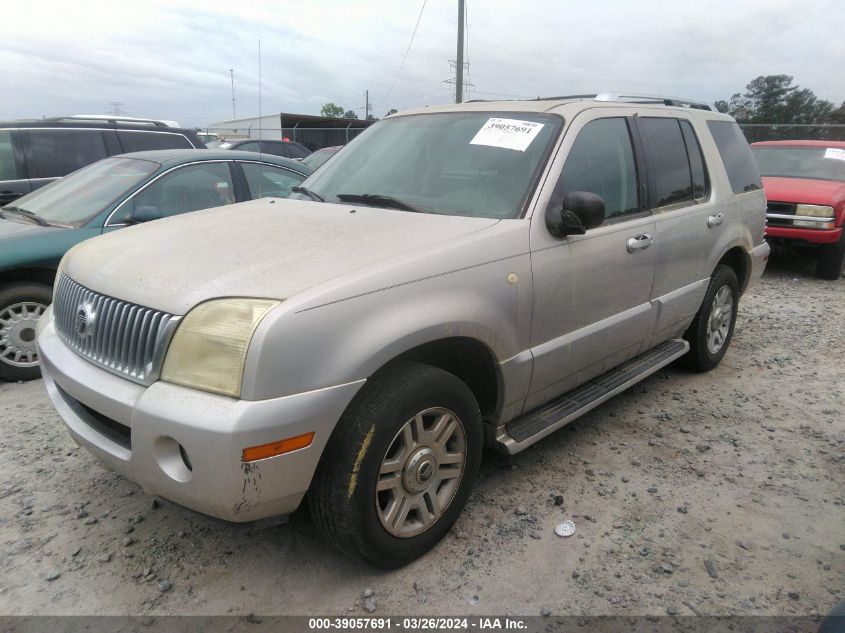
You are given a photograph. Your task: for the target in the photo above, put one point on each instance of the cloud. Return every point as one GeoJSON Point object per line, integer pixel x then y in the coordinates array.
{"type": "Point", "coordinates": [171, 59]}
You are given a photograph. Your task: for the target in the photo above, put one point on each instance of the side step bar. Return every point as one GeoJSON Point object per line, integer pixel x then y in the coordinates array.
{"type": "Point", "coordinates": [527, 429]}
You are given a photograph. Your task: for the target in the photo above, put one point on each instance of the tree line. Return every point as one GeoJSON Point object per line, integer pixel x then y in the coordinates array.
{"type": "Point", "coordinates": [332, 110]}
{"type": "Point", "coordinates": [773, 99]}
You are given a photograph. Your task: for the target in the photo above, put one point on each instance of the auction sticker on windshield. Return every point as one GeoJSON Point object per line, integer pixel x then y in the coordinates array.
{"type": "Point", "coordinates": [507, 133]}
{"type": "Point", "coordinates": [835, 153]}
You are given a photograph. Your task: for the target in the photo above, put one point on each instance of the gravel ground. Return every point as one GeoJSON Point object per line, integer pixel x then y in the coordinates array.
{"type": "Point", "coordinates": [718, 494]}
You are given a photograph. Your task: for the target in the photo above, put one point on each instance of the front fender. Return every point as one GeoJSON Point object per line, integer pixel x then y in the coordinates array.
{"type": "Point", "coordinates": [294, 352]}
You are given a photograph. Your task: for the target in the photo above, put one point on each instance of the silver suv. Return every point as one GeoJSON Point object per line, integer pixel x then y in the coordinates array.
{"type": "Point", "coordinates": [458, 277]}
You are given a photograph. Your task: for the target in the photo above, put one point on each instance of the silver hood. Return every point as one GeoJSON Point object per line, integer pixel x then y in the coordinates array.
{"type": "Point", "coordinates": [272, 248]}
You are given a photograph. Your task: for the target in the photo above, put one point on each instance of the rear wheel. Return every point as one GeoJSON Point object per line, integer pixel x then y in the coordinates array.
{"type": "Point", "coordinates": [711, 331]}
{"type": "Point", "coordinates": [21, 305]}
{"type": "Point", "coordinates": [831, 263]}
{"type": "Point", "coordinates": [400, 466]}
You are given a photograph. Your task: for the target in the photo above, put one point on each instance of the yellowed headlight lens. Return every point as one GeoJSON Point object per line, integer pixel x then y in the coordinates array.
{"type": "Point", "coordinates": [209, 348]}
{"type": "Point", "coordinates": [814, 211]}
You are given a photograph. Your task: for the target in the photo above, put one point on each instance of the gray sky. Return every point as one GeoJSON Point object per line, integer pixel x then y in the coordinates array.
{"type": "Point", "coordinates": [171, 58]}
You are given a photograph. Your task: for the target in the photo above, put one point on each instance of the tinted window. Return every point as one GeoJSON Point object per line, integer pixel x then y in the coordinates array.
{"type": "Point", "coordinates": [668, 165]}
{"type": "Point", "coordinates": [185, 189]}
{"type": "Point", "coordinates": [297, 151]}
{"type": "Point", "coordinates": [143, 141]}
{"type": "Point", "coordinates": [601, 161]}
{"type": "Point", "coordinates": [8, 164]}
{"type": "Point", "coordinates": [696, 161]}
{"type": "Point", "coordinates": [54, 153]}
{"type": "Point", "coordinates": [736, 155]}
{"type": "Point", "coordinates": [247, 147]}
{"type": "Point", "coordinates": [264, 180]}
{"type": "Point", "coordinates": [277, 149]}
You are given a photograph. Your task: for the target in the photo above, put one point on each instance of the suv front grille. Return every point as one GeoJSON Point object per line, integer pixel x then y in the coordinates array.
{"type": "Point", "coordinates": [122, 337]}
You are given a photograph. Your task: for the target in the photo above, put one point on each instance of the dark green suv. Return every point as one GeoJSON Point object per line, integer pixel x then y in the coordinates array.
{"type": "Point", "coordinates": [37, 229]}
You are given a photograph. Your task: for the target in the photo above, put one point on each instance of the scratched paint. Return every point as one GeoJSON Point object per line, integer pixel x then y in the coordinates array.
{"type": "Point", "coordinates": [251, 489]}
{"type": "Point", "coordinates": [353, 480]}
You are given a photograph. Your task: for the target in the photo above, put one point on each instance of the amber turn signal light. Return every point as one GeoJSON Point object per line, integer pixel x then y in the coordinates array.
{"type": "Point", "coordinates": [281, 447]}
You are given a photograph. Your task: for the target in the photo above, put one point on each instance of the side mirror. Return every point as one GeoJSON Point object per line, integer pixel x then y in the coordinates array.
{"type": "Point", "coordinates": [580, 212]}
{"type": "Point", "coordinates": [144, 214]}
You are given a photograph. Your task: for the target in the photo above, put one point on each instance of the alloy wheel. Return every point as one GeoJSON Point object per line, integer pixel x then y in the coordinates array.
{"type": "Point", "coordinates": [421, 472]}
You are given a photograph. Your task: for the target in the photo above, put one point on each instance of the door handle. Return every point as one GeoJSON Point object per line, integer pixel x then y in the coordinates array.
{"type": "Point", "coordinates": [639, 242]}
{"type": "Point", "coordinates": [715, 220]}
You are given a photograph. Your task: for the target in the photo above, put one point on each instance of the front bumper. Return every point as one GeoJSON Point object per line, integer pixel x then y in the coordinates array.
{"type": "Point", "coordinates": [811, 236]}
{"type": "Point", "coordinates": [186, 445]}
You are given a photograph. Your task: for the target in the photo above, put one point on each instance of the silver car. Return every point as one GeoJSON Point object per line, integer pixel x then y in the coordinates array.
{"type": "Point", "coordinates": [458, 277]}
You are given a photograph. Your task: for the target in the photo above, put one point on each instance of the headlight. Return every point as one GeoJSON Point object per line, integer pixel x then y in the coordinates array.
{"type": "Point", "coordinates": [209, 348]}
{"type": "Point", "coordinates": [814, 211]}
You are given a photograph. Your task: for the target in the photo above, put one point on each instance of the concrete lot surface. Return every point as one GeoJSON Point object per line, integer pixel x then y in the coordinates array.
{"type": "Point", "coordinates": [719, 493]}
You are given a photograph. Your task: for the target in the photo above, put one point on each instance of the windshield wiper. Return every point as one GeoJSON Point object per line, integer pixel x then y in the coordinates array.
{"type": "Point", "coordinates": [305, 190]}
{"type": "Point", "coordinates": [27, 214]}
{"type": "Point", "coordinates": [380, 200]}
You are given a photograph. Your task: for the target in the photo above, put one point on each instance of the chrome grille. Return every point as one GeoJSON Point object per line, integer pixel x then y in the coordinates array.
{"type": "Point", "coordinates": [125, 338]}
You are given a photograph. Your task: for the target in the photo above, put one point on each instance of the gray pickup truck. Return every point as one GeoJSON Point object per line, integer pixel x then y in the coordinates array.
{"type": "Point", "coordinates": [458, 277]}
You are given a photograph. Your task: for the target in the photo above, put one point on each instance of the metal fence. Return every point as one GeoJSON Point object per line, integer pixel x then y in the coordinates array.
{"type": "Point", "coordinates": [316, 137]}
{"type": "Point", "coordinates": [803, 131]}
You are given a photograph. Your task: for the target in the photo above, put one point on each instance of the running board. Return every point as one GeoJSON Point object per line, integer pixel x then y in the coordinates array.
{"type": "Point", "coordinates": [527, 429]}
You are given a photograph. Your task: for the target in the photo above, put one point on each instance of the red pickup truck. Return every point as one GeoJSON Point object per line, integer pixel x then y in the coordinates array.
{"type": "Point", "coordinates": [805, 193]}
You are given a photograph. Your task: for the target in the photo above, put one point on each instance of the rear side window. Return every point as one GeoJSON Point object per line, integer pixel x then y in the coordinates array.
{"type": "Point", "coordinates": [252, 146]}
{"type": "Point", "coordinates": [143, 141]}
{"type": "Point", "coordinates": [601, 161]}
{"type": "Point", "coordinates": [9, 169]}
{"type": "Point", "coordinates": [670, 181]}
{"type": "Point", "coordinates": [736, 156]}
{"type": "Point", "coordinates": [55, 153]}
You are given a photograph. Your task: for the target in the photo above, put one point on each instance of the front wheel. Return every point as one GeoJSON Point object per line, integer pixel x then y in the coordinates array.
{"type": "Point", "coordinates": [400, 466]}
{"type": "Point", "coordinates": [21, 305]}
{"type": "Point", "coordinates": [711, 331]}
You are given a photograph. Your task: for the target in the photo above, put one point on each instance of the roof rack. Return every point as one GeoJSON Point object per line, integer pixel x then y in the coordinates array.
{"type": "Point", "coordinates": [114, 120]}
{"type": "Point", "coordinates": [669, 101]}
{"type": "Point", "coordinates": [626, 98]}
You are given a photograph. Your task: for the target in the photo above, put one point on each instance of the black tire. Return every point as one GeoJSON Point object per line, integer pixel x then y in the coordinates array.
{"type": "Point", "coordinates": [343, 499]}
{"type": "Point", "coordinates": [831, 263]}
{"type": "Point", "coordinates": [700, 357]}
{"type": "Point", "coordinates": [15, 336]}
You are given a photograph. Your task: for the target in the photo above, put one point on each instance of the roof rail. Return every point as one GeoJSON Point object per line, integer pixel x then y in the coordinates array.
{"type": "Point", "coordinates": [114, 120]}
{"type": "Point", "coordinates": [669, 101]}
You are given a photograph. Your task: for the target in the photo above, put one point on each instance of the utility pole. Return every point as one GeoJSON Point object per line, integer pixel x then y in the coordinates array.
{"type": "Point", "coordinates": [116, 107]}
{"type": "Point", "coordinates": [366, 105]}
{"type": "Point", "coordinates": [459, 69]}
{"type": "Point", "coordinates": [232, 77]}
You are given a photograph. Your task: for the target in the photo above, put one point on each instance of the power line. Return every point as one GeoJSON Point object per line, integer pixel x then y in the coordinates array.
{"type": "Point", "coordinates": [408, 50]}
{"type": "Point", "coordinates": [466, 46]}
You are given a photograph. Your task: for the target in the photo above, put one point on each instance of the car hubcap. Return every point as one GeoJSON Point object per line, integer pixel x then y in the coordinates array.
{"type": "Point", "coordinates": [420, 472]}
{"type": "Point", "coordinates": [719, 323]}
{"type": "Point", "coordinates": [17, 333]}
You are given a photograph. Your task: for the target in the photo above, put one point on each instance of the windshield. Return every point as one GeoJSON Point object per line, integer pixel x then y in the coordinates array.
{"type": "Point", "coordinates": [480, 164]}
{"type": "Point", "coordinates": [80, 196]}
{"type": "Point", "coordinates": [820, 163]}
